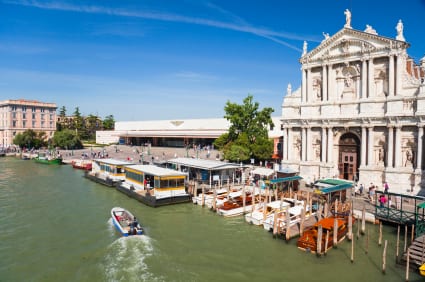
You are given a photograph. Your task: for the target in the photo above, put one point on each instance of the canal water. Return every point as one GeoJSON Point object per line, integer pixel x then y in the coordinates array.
{"type": "Point", "coordinates": [55, 226]}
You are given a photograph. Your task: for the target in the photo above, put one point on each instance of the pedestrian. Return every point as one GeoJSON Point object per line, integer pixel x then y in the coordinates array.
{"type": "Point", "coordinates": [361, 189]}
{"type": "Point", "coordinates": [382, 200]}
{"type": "Point", "coordinates": [371, 192]}
{"type": "Point", "coordinates": [386, 187]}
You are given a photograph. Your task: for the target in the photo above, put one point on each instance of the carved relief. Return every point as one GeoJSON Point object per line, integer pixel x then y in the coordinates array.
{"type": "Point", "coordinates": [409, 152]}
{"type": "Point", "coordinates": [347, 82]}
{"type": "Point", "coordinates": [317, 147]}
{"type": "Point", "coordinates": [380, 153]}
{"type": "Point", "coordinates": [297, 147]}
{"type": "Point", "coordinates": [317, 88]}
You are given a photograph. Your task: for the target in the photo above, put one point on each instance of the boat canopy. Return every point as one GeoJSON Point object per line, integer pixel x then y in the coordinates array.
{"type": "Point", "coordinates": [263, 171]}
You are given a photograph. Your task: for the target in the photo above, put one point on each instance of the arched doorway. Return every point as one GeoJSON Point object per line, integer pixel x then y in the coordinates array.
{"type": "Point", "coordinates": [349, 156]}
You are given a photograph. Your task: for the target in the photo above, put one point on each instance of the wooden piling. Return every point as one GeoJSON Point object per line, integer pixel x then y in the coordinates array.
{"type": "Point", "coordinates": [405, 238]}
{"type": "Point", "coordinates": [243, 199]}
{"type": "Point", "coordinates": [214, 202]}
{"type": "Point", "coordinates": [203, 195]}
{"type": "Point", "coordinates": [275, 225]}
{"type": "Point", "coordinates": [367, 242]}
{"type": "Point", "coordinates": [358, 231]}
{"type": "Point", "coordinates": [195, 192]}
{"type": "Point", "coordinates": [326, 242]}
{"type": "Point", "coordinates": [397, 244]}
{"type": "Point", "coordinates": [380, 234]}
{"type": "Point", "coordinates": [412, 234]}
{"type": "Point", "coordinates": [363, 220]}
{"type": "Point", "coordinates": [325, 214]}
{"type": "Point", "coordinates": [319, 240]}
{"type": "Point", "coordinates": [335, 239]}
{"type": "Point", "coordinates": [352, 251]}
{"type": "Point", "coordinates": [288, 225]}
{"type": "Point", "coordinates": [336, 207]}
{"type": "Point", "coordinates": [350, 226]}
{"type": "Point", "coordinates": [303, 214]}
{"type": "Point", "coordinates": [407, 265]}
{"type": "Point", "coordinates": [384, 257]}
{"type": "Point", "coordinates": [319, 212]}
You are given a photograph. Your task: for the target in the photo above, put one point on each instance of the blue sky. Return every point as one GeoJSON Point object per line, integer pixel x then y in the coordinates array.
{"type": "Point", "coordinates": [175, 59]}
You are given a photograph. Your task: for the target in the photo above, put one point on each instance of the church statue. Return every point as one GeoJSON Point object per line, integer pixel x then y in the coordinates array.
{"type": "Point", "coordinates": [347, 14]}
{"type": "Point", "coordinates": [305, 48]}
{"type": "Point", "coordinates": [399, 29]}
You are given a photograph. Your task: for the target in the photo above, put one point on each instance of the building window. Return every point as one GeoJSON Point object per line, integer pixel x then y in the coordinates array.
{"type": "Point", "coordinates": [51, 124]}
{"type": "Point", "coordinates": [42, 116]}
{"type": "Point", "coordinates": [24, 116]}
{"type": "Point", "coordinates": [24, 108]}
{"type": "Point", "coordinates": [13, 108]}
{"type": "Point", "coordinates": [42, 124]}
{"type": "Point", "coordinates": [42, 110]}
{"type": "Point", "coordinates": [24, 124]}
{"type": "Point", "coordinates": [33, 109]}
{"type": "Point", "coordinates": [33, 116]}
{"type": "Point", "coordinates": [13, 115]}
{"type": "Point", "coordinates": [33, 124]}
{"type": "Point", "coordinates": [51, 116]}
{"type": "Point", "coordinates": [14, 123]}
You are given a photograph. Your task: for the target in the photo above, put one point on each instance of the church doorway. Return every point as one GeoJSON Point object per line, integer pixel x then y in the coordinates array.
{"type": "Point", "coordinates": [349, 157]}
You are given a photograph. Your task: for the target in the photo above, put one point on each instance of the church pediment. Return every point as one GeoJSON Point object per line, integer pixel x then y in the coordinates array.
{"type": "Point", "coordinates": [351, 43]}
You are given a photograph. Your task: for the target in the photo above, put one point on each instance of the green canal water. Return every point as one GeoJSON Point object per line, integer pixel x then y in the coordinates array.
{"type": "Point", "coordinates": [55, 226]}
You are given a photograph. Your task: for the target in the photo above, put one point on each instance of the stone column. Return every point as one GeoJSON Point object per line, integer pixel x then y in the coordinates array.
{"type": "Point", "coordinates": [303, 143]}
{"type": "Point", "coordinates": [323, 146]}
{"type": "Point", "coordinates": [364, 79]}
{"type": "Point", "coordinates": [330, 144]}
{"type": "Point", "coordinates": [284, 144]}
{"type": "Point", "coordinates": [398, 72]}
{"type": "Point", "coordinates": [397, 148]}
{"type": "Point", "coordinates": [309, 88]}
{"type": "Point", "coordinates": [363, 147]}
{"type": "Point", "coordinates": [391, 76]}
{"type": "Point", "coordinates": [325, 83]}
{"type": "Point", "coordinates": [370, 78]}
{"type": "Point", "coordinates": [419, 150]}
{"type": "Point", "coordinates": [390, 147]}
{"type": "Point", "coordinates": [303, 86]}
{"type": "Point", "coordinates": [370, 146]}
{"type": "Point", "coordinates": [290, 144]}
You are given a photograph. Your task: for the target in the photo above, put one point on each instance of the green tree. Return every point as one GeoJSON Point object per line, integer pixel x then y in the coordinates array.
{"type": "Point", "coordinates": [67, 139]}
{"type": "Point", "coordinates": [109, 123]}
{"type": "Point", "coordinates": [78, 122]}
{"type": "Point", "coordinates": [62, 112]}
{"type": "Point", "coordinates": [91, 124]}
{"type": "Point", "coordinates": [30, 139]}
{"type": "Point", "coordinates": [248, 132]}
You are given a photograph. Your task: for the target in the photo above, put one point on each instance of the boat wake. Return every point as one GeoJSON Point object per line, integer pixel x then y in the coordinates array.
{"type": "Point", "coordinates": [125, 259]}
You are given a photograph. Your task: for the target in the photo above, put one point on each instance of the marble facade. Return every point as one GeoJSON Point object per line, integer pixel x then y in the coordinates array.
{"type": "Point", "coordinates": [360, 111]}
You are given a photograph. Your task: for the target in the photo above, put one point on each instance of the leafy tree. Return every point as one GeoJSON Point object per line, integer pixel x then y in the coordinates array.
{"type": "Point", "coordinates": [91, 124]}
{"type": "Point", "coordinates": [248, 132]}
{"type": "Point", "coordinates": [30, 139]}
{"type": "Point", "coordinates": [109, 123]}
{"type": "Point", "coordinates": [67, 139]}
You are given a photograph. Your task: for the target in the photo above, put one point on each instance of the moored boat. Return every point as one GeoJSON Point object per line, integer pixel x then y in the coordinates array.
{"type": "Point", "coordinates": [47, 158]}
{"type": "Point", "coordinates": [309, 239]}
{"type": "Point", "coordinates": [82, 164]}
{"type": "Point", "coordinates": [125, 222]}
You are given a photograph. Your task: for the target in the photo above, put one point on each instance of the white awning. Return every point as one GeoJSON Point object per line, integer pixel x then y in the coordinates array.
{"type": "Point", "coordinates": [263, 171]}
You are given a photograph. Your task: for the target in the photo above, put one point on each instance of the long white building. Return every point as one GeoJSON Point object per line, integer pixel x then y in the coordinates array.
{"type": "Point", "coordinates": [360, 111]}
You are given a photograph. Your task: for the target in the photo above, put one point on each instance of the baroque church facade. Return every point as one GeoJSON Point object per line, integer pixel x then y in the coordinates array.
{"type": "Point", "coordinates": [359, 113]}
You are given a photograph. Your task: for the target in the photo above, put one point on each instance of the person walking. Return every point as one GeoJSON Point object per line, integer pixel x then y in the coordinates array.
{"type": "Point", "coordinates": [386, 187]}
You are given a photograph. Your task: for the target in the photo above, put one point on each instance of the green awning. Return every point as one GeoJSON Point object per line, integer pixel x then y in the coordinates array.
{"type": "Point", "coordinates": [285, 179]}
{"type": "Point", "coordinates": [336, 188]}
{"type": "Point", "coordinates": [332, 181]}
{"type": "Point", "coordinates": [421, 205]}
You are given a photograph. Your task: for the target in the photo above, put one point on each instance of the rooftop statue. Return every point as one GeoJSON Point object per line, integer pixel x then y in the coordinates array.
{"type": "Point", "coordinates": [347, 14]}
{"type": "Point", "coordinates": [399, 29]}
{"type": "Point", "coordinates": [370, 29]}
{"type": "Point", "coordinates": [305, 48]}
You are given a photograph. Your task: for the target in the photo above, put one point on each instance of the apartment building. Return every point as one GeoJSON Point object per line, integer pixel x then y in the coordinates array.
{"type": "Point", "coordinates": [16, 116]}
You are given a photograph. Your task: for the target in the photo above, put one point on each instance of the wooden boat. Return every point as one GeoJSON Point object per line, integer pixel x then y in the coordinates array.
{"type": "Point", "coordinates": [208, 196]}
{"type": "Point", "coordinates": [235, 206]}
{"type": "Point", "coordinates": [125, 222]}
{"type": "Point", "coordinates": [82, 164]}
{"type": "Point", "coordinates": [44, 158]}
{"type": "Point", "coordinates": [308, 240]}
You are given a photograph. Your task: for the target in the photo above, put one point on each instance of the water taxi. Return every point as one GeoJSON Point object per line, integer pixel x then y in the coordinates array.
{"type": "Point", "coordinates": [266, 209]}
{"type": "Point", "coordinates": [48, 158]}
{"type": "Point", "coordinates": [125, 222]}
